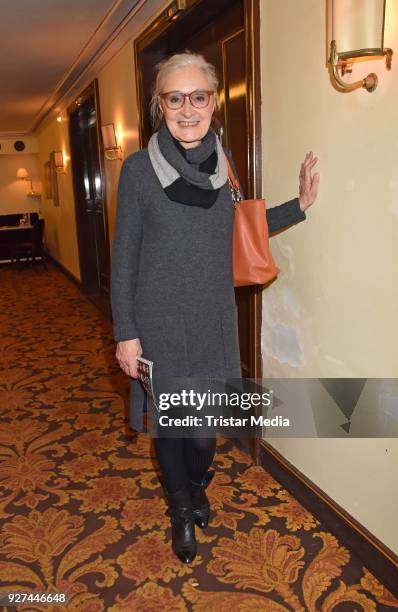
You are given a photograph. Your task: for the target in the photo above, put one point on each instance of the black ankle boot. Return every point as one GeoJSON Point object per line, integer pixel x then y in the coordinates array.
{"type": "Point", "coordinates": [200, 503]}
{"type": "Point", "coordinates": [182, 525]}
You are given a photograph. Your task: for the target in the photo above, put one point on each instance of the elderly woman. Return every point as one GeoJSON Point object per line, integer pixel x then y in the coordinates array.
{"type": "Point", "coordinates": [173, 297]}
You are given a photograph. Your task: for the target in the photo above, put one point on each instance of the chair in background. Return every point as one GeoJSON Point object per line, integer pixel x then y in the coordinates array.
{"type": "Point", "coordinates": [33, 247]}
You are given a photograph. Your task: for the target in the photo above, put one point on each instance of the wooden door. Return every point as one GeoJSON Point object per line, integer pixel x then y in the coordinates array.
{"type": "Point", "coordinates": [224, 33]}
{"type": "Point", "coordinates": [89, 198]}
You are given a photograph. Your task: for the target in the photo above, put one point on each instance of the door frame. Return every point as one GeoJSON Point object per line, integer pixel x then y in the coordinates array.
{"type": "Point", "coordinates": [92, 90]}
{"type": "Point", "coordinates": [158, 27]}
{"type": "Point", "coordinates": [253, 72]}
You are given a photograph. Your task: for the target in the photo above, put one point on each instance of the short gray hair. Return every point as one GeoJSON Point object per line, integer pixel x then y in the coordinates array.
{"type": "Point", "coordinates": [163, 69]}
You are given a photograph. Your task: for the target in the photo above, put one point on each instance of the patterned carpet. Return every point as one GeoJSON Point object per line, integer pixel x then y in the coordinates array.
{"type": "Point", "coordinates": [81, 508]}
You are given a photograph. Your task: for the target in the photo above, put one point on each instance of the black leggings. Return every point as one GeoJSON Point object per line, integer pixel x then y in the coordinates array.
{"type": "Point", "coordinates": [181, 459]}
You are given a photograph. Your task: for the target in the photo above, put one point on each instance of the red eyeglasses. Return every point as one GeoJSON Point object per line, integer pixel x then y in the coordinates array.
{"type": "Point", "coordinates": [199, 98]}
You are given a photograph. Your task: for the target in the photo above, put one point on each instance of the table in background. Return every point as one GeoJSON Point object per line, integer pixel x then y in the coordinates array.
{"type": "Point", "coordinates": [10, 235]}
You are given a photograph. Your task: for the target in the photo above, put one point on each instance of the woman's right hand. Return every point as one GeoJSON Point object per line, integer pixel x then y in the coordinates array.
{"type": "Point", "coordinates": [127, 352]}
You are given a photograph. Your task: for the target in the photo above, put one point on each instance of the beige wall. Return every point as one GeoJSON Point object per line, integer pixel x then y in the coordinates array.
{"type": "Point", "coordinates": [60, 228]}
{"type": "Point", "coordinates": [13, 191]}
{"type": "Point", "coordinates": [332, 312]}
{"type": "Point", "coordinates": [7, 145]}
{"type": "Point", "coordinates": [119, 106]}
{"type": "Point", "coordinates": [360, 475]}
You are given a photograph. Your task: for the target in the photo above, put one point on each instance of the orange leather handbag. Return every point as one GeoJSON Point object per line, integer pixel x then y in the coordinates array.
{"type": "Point", "coordinates": [252, 259]}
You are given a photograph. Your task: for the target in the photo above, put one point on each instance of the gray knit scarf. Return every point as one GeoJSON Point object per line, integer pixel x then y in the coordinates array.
{"type": "Point", "coordinates": [188, 176]}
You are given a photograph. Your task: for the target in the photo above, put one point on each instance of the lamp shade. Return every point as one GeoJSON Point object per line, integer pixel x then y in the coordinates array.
{"type": "Point", "coordinates": [58, 158]}
{"type": "Point", "coordinates": [22, 173]}
{"type": "Point", "coordinates": [357, 26]}
{"type": "Point", "coordinates": [109, 136]}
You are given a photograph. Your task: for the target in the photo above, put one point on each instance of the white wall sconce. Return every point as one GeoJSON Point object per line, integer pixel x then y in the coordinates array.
{"type": "Point", "coordinates": [59, 162]}
{"type": "Point", "coordinates": [356, 32]}
{"type": "Point", "coordinates": [111, 149]}
{"type": "Point", "coordinates": [23, 174]}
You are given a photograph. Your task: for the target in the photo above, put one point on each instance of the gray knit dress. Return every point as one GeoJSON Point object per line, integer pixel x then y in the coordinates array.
{"type": "Point", "coordinates": [172, 283]}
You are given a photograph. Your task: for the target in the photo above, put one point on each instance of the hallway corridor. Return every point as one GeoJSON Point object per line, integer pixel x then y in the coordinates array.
{"type": "Point", "coordinates": [81, 508]}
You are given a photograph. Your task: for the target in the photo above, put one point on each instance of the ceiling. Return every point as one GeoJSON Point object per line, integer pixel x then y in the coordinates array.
{"type": "Point", "coordinates": [46, 45]}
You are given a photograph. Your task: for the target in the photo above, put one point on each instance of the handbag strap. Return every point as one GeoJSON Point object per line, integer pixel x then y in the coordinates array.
{"type": "Point", "coordinates": [233, 183]}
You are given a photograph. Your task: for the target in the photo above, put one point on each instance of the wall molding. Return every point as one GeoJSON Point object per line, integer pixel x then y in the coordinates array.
{"type": "Point", "coordinates": [376, 556]}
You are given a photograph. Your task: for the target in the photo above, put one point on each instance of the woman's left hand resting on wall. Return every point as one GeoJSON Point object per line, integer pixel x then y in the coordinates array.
{"type": "Point", "coordinates": [308, 184]}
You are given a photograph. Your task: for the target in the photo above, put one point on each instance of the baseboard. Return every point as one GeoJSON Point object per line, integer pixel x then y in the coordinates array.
{"type": "Point", "coordinates": [99, 302]}
{"type": "Point", "coordinates": [65, 271]}
{"type": "Point", "coordinates": [376, 556]}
